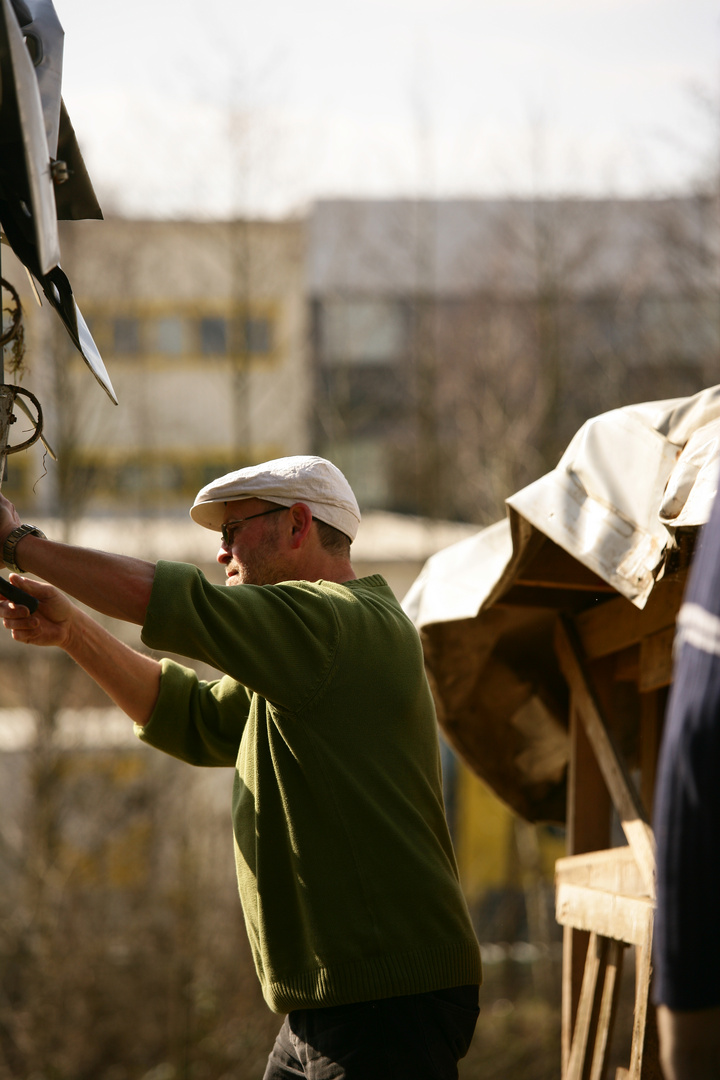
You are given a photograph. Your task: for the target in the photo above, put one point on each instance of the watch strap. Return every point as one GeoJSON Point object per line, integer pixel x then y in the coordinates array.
{"type": "Point", "coordinates": [11, 542]}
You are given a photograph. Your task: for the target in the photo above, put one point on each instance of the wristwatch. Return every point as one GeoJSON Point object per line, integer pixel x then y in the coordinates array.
{"type": "Point", "coordinates": [11, 542]}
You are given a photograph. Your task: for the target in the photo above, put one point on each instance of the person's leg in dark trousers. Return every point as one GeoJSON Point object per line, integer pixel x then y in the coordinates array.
{"type": "Point", "coordinates": [418, 1037]}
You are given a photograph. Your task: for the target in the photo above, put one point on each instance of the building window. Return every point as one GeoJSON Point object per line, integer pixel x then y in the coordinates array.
{"type": "Point", "coordinates": [170, 336]}
{"type": "Point", "coordinates": [258, 336]}
{"type": "Point", "coordinates": [213, 336]}
{"type": "Point", "coordinates": [362, 331]}
{"type": "Point", "coordinates": [126, 336]}
{"type": "Point", "coordinates": [365, 399]}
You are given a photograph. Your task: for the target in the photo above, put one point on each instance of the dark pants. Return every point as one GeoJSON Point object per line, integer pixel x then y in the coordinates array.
{"type": "Point", "coordinates": [417, 1037]}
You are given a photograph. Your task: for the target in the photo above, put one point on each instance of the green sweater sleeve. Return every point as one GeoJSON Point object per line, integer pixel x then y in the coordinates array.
{"type": "Point", "coordinates": [279, 641]}
{"type": "Point", "coordinates": [199, 722]}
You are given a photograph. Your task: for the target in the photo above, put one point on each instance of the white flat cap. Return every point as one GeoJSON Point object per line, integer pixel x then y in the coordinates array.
{"type": "Point", "coordinates": [311, 480]}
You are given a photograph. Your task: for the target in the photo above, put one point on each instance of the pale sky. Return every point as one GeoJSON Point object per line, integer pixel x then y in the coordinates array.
{"type": "Point", "coordinates": [230, 106]}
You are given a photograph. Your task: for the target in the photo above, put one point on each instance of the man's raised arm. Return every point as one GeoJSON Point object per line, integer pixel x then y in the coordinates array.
{"type": "Point", "coordinates": [114, 585]}
{"type": "Point", "coordinates": [129, 678]}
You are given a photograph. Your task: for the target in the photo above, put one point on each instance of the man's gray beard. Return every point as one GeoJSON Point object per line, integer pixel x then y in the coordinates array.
{"type": "Point", "coordinates": [259, 569]}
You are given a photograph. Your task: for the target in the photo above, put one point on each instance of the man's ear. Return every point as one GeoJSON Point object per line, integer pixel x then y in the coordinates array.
{"type": "Point", "coordinates": [301, 520]}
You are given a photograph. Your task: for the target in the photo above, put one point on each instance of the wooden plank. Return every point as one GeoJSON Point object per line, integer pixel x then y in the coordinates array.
{"type": "Point", "coordinates": [568, 1006]}
{"type": "Point", "coordinates": [552, 566]}
{"type": "Point", "coordinates": [608, 1009]}
{"type": "Point", "coordinates": [588, 799]}
{"type": "Point", "coordinates": [586, 1023]}
{"type": "Point", "coordinates": [626, 800]}
{"type": "Point", "coordinates": [614, 870]}
{"type": "Point", "coordinates": [533, 596]}
{"type": "Point", "coordinates": [624, 918]}
{"type": "Point", "coordinates": [626, 666]}
{"type": "Point", "coordinates": [588, 829]}
{"type": "Point", "coordinates": [597, 586]}
{"type": "Point", "coordinates": [656, 660]}
{"type": "Point", "coordinates": [609, 627]}
{"type": "Point", "coordinates": [642, 993]}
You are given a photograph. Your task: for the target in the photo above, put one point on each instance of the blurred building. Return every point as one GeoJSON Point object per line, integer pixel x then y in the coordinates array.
{"type": "Point", "coordinates": [202, 329]}
{"type": "Point", "coordinates": [457, 345]}
{"type": "Point", "coordinates": [442, 352]}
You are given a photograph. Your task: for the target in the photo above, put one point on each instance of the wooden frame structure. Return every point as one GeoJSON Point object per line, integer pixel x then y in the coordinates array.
{"type": "Point", "coordinates": [555, 625]}
{"type": "Point", "coordinates": [605, 895]}
{"type": "Point", "coordinates": [548, 640]}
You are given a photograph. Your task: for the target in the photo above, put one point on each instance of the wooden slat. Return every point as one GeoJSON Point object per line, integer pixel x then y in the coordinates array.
{"type": "Point", "coordinates": [570, 962]}
{"type": "Point", "coordinates": [585, 1024]}
{"type": "Point", "coordinates": [595, 586]}
{"type": "Point", "coordinates": [588, 801]}
{"type": "Point", "coordinates": [624, 918]}
{"type": "Point", "coordinates": [626, 800]}
{"type": "Point", "coordinates": [642, 993]}
{"type": "Point", "coordinates": [626, 664]}
{"type": "Point", "coordinates": [608, 1009]}
{"type": "Point", "coordinates": [617, 624]}
{"type": "Point", "coordinates": [553, 599]}
{"type": "Point", "coordinates": [656, 660]}
{"type": "Point", "coordinates": [551, 565]}
{"type": "Point", "coordinates": [588, 829]}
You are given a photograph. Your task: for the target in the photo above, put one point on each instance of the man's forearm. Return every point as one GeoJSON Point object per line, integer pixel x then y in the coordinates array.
{"type": "Point", "coordinates": [114, 585]}
{"type": "Point", "coordinates": [131, 679]}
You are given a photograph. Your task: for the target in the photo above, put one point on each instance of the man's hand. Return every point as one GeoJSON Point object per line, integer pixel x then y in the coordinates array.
{"type": "Point", "coordinates": [9, 520]}
{"type": "Point", "coordinates": [52, 622]}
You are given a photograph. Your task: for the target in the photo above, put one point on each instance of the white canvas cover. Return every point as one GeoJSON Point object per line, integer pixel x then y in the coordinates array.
{"type": "Point", "coordinates": [629, 485]}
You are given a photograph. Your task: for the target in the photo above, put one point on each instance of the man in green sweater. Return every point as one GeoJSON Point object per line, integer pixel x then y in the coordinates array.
{"type": "Point", "coordinates": [346, 873]}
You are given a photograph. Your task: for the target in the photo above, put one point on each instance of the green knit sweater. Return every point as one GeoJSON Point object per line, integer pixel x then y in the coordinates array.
{"type": "Point", "coordinates": [345, 868]}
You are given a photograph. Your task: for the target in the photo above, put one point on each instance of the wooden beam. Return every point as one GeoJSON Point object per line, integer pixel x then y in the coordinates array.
{"type": "Point", "coordinates": [624, 918]}
{"type": "Point", "coordinates": [551, 565]}
{"type": "Point", "coordinates": [614, 870]}
{"type": "Point", "coordinates": [588, 1008]}
{"type": "Point", "coordinates": [608, 1010]}
{"type": "Point", "coordinates": [588, 799]}
{"type": "Point", "coordinates": [551, 598]}
{"type": "Point", "coordinates": [656, 660]}
{"type": "Point", "coordinates": [588, 829]}
{"type": "Point", "coordinates": [640, 1015]}
{"type": "Point", "coordinates": [596, 586]}
{"type": "Point", "coordinates": [626, 664]}
{"type": "Point", "coordinates": [626, 800]}
{"type": "Point", "coordinates": [617, 624]}
{"type": "Point", "coordinates": [573, 960]}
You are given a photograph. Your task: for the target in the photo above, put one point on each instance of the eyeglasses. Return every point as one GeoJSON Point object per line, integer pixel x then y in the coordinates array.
{"type": "Point", "coordinates": [229, 529]}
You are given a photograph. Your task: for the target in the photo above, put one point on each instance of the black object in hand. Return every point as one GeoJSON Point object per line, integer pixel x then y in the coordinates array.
{"type": "Point", "coordinates": [17, 596]}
